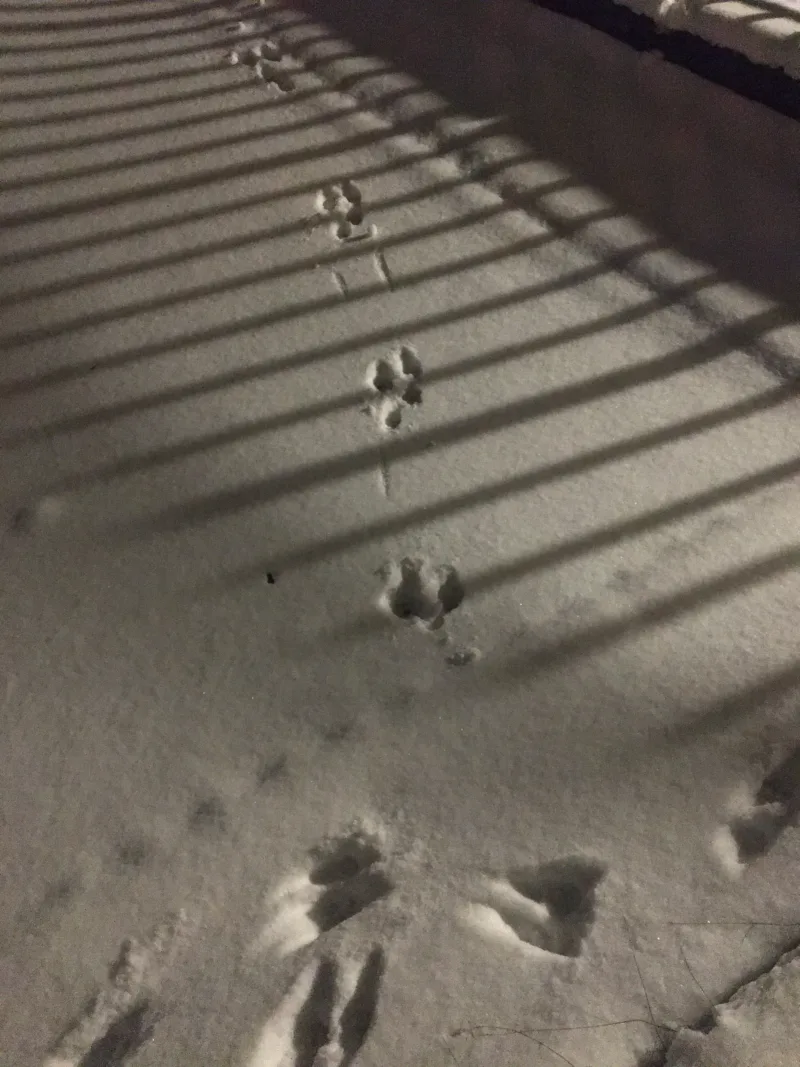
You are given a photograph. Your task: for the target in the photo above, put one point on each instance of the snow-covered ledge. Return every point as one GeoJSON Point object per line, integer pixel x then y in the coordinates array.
{"type": "Point", "coordinates": [766, 31]}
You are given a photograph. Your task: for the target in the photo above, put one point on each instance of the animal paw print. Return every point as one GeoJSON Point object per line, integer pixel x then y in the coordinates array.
{"type": "Point", "coordinates": [550, 907]}
{"type": "Point", "coordinates": [395, 383]}
{"type": "Point", "coordinates": [346, 877]}
{"type": "Point", "coordinates": [268, 63]}
{"type": "Point", "coordinates": [326, 1017]}
{"type": "Point", "coordinates": [758, 821]}
{"type": "Point", "coordinates": [342, 207]}
{"type": "Point", "coordinates": [419, 593]}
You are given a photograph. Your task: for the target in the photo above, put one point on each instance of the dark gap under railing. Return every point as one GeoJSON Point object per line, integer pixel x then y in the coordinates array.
{"type": "Point", "coordinates": [765, 85]}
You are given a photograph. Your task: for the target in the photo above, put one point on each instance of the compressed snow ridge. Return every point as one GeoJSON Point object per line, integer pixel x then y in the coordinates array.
{"type": "Point", "coordinates": [758, 1027]}
{"type": "Point", "coordinates": [763, 30]}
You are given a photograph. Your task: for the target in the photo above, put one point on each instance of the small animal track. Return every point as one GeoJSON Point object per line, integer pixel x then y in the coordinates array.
{"type": "Point", "coordinates": [417, 592]}
{"type": "Point", "coordinates": [395, 386]}
{"type": "Point", "coordinates": [381, 266]}
{"type": "Point", "coordinates": [326, 1017]}
{"type": "Point", "coordinates": [120, 1019]}
{"type": "Point", "coordinates": [56, 900]}
{"type": "Point", "coordinates": [272, 770]}
{"type": "Point", "coordinates": [344, 879]}
{"type": "Point", "coordinates": [132, 853]}
{"type": "Point", "coordinates": [338, 732]}
{"type": "Point", "coordinates": [756, 826]}
{"type": "Point", "coordinates": [268, 63]}
{"type": "Point", "coordinates": [550, 907]}
{"type": "Point", "coordinates": [462, 657]}
{"type": "Point", "coordinates": [341, 205]}
{"type": "Point", "coordinates": [344, 858]}
{"type": "Point", "coordinates": [208, 816]}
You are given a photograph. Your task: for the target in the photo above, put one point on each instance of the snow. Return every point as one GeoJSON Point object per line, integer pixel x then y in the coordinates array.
{"type": "Point", "coordinates": [445, 737]}
{"type": "Point", "coordinates": [757, 1026]}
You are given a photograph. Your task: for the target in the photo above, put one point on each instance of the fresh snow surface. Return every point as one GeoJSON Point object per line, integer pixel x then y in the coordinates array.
{"type": "Point", "coordinates": [400, 599]}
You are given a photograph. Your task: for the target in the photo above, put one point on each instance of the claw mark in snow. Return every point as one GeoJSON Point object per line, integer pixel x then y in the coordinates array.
{"type": "Point", "coordinates": [382, 270]}
{"type": "Point", "coordinates": [340, 283]}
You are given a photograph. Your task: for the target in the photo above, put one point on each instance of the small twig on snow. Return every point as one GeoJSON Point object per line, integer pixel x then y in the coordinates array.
{"type": "Point", "coordinates": [693, 976]}
{"type": "Point", "coordinates": [655, 1025]}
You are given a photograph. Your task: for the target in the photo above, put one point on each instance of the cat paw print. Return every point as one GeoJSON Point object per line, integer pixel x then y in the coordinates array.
{"type": "Point", "coordinates": [326, 1017]}
{"type": "Point", "coordinates": [346, 877]}
{"type": "Point", "coordinates": [268, 64]}
{"type": "Point", "coordinates": [341, 205]}
{"type": "Point", "coordinates": [395, 385]}
{"type": "Point", "coordinates": [420, 593]}
{"type": "Point", "coordinates": [549, 908]}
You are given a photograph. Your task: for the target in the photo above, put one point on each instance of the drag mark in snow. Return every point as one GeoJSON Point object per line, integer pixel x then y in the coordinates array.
{"type": "Point", "coordinates": [326, 1017]}
{"type": "Point", "coordinates": [346, 877]}
{"type": "Point", "coordinates": [549, 908]}
{"type": "Point", "coordinates": [340, 283]}
{"type": "Point", "coordinates": [420, 593]}
{"type": "Point", "coordinates": [385, 479]}
{"type": "Point", "coordinates": [120, 1018]}
{"type": "Point", "coordinates": [382, 270]}
{"type": "Point", "coordinates": [758, 820]}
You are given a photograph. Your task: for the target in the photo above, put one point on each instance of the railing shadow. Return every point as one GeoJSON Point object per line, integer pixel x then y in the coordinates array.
{"type": "Point", "coordinates": [463, 53]}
